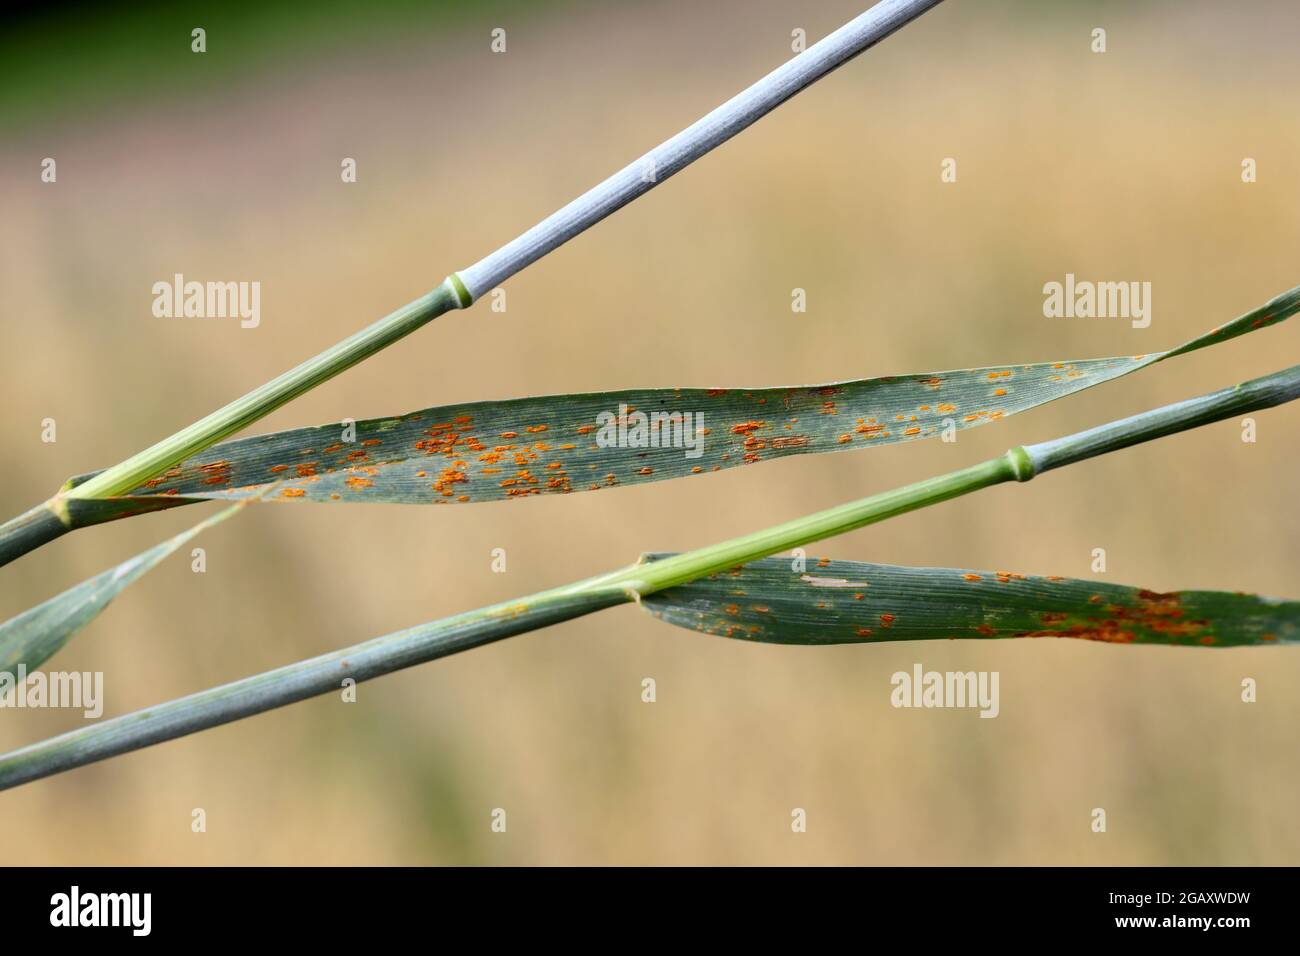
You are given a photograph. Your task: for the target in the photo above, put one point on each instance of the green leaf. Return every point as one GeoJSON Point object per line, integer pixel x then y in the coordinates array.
{"type": "Point", "coordinates": [490, 451]}
{"type": "Point", "coordinates": [848, 602]}
{"type": "Point", "coordinates": [34, 636]}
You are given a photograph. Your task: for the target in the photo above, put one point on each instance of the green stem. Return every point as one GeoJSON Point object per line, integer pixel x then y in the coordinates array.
{"type": "Point", "coordinates": [260, 402]}
{"type": "Point", "coordinates": [29, 531]}
{"type": "Point", "coordinates": [667, 572]}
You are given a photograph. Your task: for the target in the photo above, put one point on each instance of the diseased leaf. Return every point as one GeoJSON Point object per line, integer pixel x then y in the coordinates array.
{"type": "Point", "coordinates": [847, 602]}
{"type": "Point", "coordinates": [490, 451]}
{"type": "Point", "coordinates": [34, 636]}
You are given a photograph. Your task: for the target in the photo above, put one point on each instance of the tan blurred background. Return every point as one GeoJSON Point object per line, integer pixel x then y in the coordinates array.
{"type": "Point", "coordinates": [1124, 165]}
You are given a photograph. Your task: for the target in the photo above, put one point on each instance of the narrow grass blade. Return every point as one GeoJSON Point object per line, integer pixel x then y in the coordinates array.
{"type": "Point", "coordinates": [34, 636]}
{"type": "Point", "coordinates": [848, 602]}
{"type": "Point", "coordinates": [491, 451]}
{"type": "Point", "coordinates": [639, 582]}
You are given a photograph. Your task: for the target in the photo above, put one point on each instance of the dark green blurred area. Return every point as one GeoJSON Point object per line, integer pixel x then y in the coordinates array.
{"type": "Point", "coordinates": [63, 61]}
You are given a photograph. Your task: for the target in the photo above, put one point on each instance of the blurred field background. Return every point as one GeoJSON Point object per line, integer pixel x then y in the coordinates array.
{"type": "Point", "coordinates": [1122, 166]}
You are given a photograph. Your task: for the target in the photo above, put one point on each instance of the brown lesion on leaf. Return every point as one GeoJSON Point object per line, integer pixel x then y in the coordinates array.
{"type": "Point", "coordinates": [1158, 616]}
{"type": "Point", "coordinates": [1106, 631]}
{"type": "Point", "coordinates": [216, 472]}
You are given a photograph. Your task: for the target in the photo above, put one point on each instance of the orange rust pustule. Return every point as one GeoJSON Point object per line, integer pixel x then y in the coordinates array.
{"type": "Point", "coordinates": [216, 472]}
{"type": "Point", "coordinates": [447, 480]}
{"type": "Point", "coordinates": [1107, 631]}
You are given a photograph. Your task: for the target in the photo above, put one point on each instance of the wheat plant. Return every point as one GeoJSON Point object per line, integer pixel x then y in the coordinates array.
{"type": "Point", "coordinates": [525, 447]}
